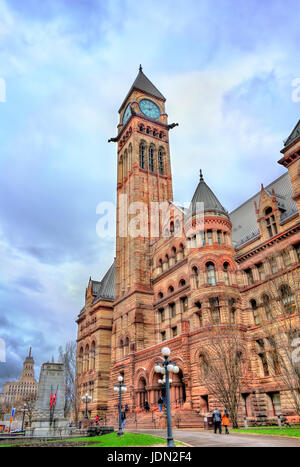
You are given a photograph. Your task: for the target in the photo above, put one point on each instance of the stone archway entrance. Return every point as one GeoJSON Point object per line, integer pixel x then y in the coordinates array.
{"type": "Point", "coordinates": [141, 392]}
{"type": "Point", "coordinates": [178, 392]}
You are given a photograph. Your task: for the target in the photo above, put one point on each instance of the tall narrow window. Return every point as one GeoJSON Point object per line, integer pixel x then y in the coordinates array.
{"type": "Point", "coordinates": [184, 304]}
{"type": "Point", "coordinates": [142, 156]}
{"type": "Point", "coordinates": [215, 310]}
{"type": "Point", "coordinates": [287, 260]}
{"type": "Point", "coordinates": [232, 310]}
{"type": "Point", "coordinates": [211, 274]}
{"type": "Point", "coordinates": [151, 159]}
{"type": "Point", "coordinates": [219, 237]}
{"type": "Point", "coordinates": [196, 276]}
{"type": "Point", "coordinates": [172, 310]}
{"type": "Point", "coordinates": [160, 162]}
{"type": "Point", "coordinates": [287, 299]}
{"type": "Point", "coordinates": [261, 271]}
{"type": "Point", "coordinates": [226, 273]}
{"type": "Point", "coordinates": [255, 312]}
{"type": "Point", "coordinates": [267, 307]}
{"type": "Point", "coordinates": [271, 222]}
{"type": "Point", "coordinates": [250, 276]}
{"type": "Point", "coordinates": [273, 265]}
{"type": "Point", "coordinates": [210, 237]}
{"type": "Point", "coordinates": [162, 315]}
{"type": "Point", "coordinates": [297, 248]}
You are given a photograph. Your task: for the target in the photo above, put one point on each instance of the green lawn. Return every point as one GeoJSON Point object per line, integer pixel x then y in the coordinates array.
{"type": "Point", "coordinates": [295, 432]}
{"type": "Point", "coordinates": [128, 439]}
{"type": "Point", "coordinates": [109, 440]}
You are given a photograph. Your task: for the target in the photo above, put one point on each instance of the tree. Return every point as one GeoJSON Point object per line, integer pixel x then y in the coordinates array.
{"type": "Point", "coordinates": [67, 356]}
{"type": "Point", "coordinates": [224, 367]}
{"type": "Point", "coordinates": [281, 316]}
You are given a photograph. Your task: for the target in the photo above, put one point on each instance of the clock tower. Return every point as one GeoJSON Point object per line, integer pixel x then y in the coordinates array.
{"type": "Point", "coordinates": [144, 178]}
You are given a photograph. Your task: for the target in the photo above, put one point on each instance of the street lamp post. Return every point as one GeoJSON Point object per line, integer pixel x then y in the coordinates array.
{"type": "Point", "coordinates": [166, 367]}
{"type": "Point", "coordinates": [24, 410]}
{"type": "Point", "coordinates": [119, 389]}
{"type": "Point", "coordinates": [86, 399]}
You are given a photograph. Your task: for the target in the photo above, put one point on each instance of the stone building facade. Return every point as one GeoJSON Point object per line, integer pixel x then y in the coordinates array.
{"type": "Point", "coordinates": [17, 391]}
{"type": "Point", "coordinates": [175, 287]}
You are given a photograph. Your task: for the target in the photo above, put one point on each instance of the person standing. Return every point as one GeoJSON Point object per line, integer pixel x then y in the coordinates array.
{"type": "Point", "coordinates": [123, 418]}
{"type": "Point", "coordinates": [217, 418]}
{"type": "Point", "coordinates": [96, 420]}
{"type": "Point", "coordinates": [160, 403]}
{"type": "Point", "coordinates": [225, 421]}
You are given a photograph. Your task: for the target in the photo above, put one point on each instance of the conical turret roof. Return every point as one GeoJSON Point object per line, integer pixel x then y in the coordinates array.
{"type": "Point", "coordinates": [142, 83]}
{"type": "Point", "coordinates": [204, 194]}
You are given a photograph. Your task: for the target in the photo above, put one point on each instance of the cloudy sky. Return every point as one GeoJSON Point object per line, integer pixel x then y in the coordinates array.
{"type": "Point", "coordinates": [227, 69]}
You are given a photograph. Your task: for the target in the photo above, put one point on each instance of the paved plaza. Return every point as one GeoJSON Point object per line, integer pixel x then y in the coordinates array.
{"type": "Point", "coordinates": [209, 439]}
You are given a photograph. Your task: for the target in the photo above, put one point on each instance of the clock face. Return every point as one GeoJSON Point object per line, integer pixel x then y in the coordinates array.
{"type": "Point", "coordinates": [149, 109]}
{"type": "Point", "coordinates": [127, 114]}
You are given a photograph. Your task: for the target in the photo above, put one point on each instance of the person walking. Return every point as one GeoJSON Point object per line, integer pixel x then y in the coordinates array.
{"type": "Point", "coordinates": [217, 418]}
{"type": "Point", "coordinates": [160, 403]}
{"type": "Point", "coordinates": [225, 421]}
{"type": "Point", "coordinates": [123, 418]}
{"type": "Point", "coordinates": [96, 420]}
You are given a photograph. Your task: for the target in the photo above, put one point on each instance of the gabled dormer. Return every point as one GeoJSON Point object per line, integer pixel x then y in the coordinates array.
{"type": "Point", "coordinates": [268, 211]}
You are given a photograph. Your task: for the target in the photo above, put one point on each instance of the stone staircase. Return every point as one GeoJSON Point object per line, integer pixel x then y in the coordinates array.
{"type": "Point", "coordinates": [181, 418]}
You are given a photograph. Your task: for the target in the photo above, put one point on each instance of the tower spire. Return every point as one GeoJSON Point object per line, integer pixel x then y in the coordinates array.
{"type": "Point", "coordinates": [29, 355]}
{"type": "Point", "coordinates": [201, 176]}
{"type": "Point", "coordinates": [140, 68]}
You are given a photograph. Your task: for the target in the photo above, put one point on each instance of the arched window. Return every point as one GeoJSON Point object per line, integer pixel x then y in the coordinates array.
{"type": "Point", "coordinates": [182, 283]}
{"type": "Point", "coordinates": [126, 352]}
{"type": "Point", "coordinates": [162, 314]}
{"type": "Point", "coordinates": [141, 128]}
{"type": "Point", "coordinates": [160, 263]}
{"type": "Point", "coordinates": [122, 348]}
{"type": "Point", "coordinates": [142, 156]}
{"type": "Point", "coordinates": [287, 299]}
{"type": "Point", "coordinates": [148, 130]}
{"type": "Point", "coordinates": [196, 276]}
{"type": "Point", "coordinates": [160, 295]}
{"type": "Point", "coordinates": [160, 162]}
{"type": "Point", "coordinates": [93, 355]}
{"type": "Point", "coordinates": [151, 159]}
{"type": "Point", "coordinates": [226, 273]}
{"type": "Point", "coordinates": [80, 361]}
{"type": "Point", "coordinates": [271, 222]}
{"type": "Point", "coordinates": [172, 227]}
{"type": "Point", "coordinates": [171, 289]}
{"type": "Point", "coordinates": [232, 310]}
{"type": "Point", "coordinates": [255, 312]}
{"type": "Point", "coordinates": [174, 253]}
{"type": "Point", "coordinates": [87, 360]}
{"type": "Point", "coordinates": [182, 250]}
{"type": "Point", "coordinates": [203, 365]}
{"type": "Point", "coordinates": [267, 306]}
{"type": "Point", "coordinates": [211, 274]}
{"type": "Point", "coordinates": [210, 237]}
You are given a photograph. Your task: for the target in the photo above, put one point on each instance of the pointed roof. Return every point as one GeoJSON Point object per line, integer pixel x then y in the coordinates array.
{"type": "Point", "coordinates": [105, 289]}
{"type": "Point", "coordinates": [294, 135]}
{"type": "Point", "coordinates": [142, 83]}
{"type": "Point", "coordinates": [204, 194]}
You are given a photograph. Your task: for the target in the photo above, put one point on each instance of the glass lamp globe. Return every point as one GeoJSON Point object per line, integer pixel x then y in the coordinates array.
{"type": "Point", "coordinates": [116, 388]}
{"type": "Point", "coordinates": [160, 381]}
{"type": "Point", "coordinates": [157, 369]}
{"type": "Point", "coordinates": [120, 379]}
{"type": "Point", "coordinates": [170, 368]}
{"type": "Point", "coordinates": [166, 351]}
{"type": "Point", "coordinates": [176, 369]}
{"type": "Point", "coordinates": [124, 388]}
{"type": "Point", "coordinates": [170, 381]}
